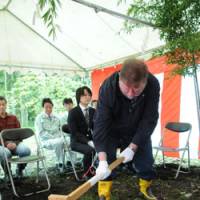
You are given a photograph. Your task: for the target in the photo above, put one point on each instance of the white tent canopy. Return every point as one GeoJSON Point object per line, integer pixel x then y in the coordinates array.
{"type": "Point", "coordinates": [86, 39]}
{"type": "Point", "coordinates": [28, 50]}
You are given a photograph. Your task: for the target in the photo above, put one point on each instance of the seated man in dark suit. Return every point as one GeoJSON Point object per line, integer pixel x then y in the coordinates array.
{"type": "Point", "coordinates": [80, 121]}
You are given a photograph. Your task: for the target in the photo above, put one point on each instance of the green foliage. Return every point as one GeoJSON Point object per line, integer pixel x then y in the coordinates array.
{"type": "Point", "coordinates": [50, 7]}
{"type": "Point", "coordinates": [2, 84]}
{"type": "Point", "coordinates": [26, 91]}
{"type": "Point", "coordinates": [179, 25]}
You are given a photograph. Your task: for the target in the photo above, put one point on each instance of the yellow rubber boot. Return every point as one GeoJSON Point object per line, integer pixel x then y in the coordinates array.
{"type": "Point", "coordinates": [104, 189]}
{"type": "Point", "coordinates": [146, 190]}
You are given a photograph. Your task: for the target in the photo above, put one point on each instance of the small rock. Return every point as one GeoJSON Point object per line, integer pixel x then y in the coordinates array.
{"type": "Point", "coordinates": [188, 195]}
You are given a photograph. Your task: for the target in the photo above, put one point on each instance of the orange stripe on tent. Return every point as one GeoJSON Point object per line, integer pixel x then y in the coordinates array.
{"type": "Point", "coordinates": [158, 65]}
{"type": "Point", "coordinates": [99, 75]}
{"type": "Point", "coordinates": [155, 66]}
{"type": "Point", "coordinates": [171, 109]}
{"type": "Point", "coordinates": [199, 149]}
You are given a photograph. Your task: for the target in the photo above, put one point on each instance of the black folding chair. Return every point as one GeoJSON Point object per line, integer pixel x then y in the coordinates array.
{"type": "Point", "coordinates": [20, 134]}
{"type": "Point", "coordinates": [184, 130]}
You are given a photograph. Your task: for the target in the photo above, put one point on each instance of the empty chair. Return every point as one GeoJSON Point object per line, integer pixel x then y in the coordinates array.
{"type": "Point", "coordinates": [21, 134]}
{"type": "Point", "coordinates": [184, 130]}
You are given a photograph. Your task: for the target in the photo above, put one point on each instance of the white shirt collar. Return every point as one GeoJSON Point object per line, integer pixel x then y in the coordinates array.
{"type": "Point", "coordinates": [83, 108]}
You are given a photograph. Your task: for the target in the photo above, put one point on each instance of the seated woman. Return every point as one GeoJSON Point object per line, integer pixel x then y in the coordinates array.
{"type": "Point", "coordinates": [47, 126]}
{"type": "Point", "coordinates": [8, 121]}
{"type": "Point", "coordinates": [80, 122]}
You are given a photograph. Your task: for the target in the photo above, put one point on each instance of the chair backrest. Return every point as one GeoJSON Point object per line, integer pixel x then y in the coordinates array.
{"type": "Point", "coordinates": [178, 126]}
{"type": "Point", "coordinates": [16, 133]}
{"type": "Point", "coordinates": [171, 132]}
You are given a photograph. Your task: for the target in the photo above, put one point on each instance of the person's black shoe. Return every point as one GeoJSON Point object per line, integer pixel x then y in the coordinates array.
{"type": "Point", "coordinates": [60, 167]}
{"type": "Point", "coordinates": [6, 178]}
{"type": "Point", "coordinates": [68, 164]}
{"type": "Point", "coordinates": [19, 173]}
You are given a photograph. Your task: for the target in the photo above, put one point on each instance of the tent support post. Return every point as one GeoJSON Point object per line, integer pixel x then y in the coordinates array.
{"type": "Point", "coordinates": [98, 8]}
{"type": "Point", "coordinates": [197, 96]}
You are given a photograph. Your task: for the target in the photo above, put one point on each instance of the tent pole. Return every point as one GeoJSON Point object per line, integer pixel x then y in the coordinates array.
{"type": "Point", "coordinates": [196, 86]}
{"type": "Point", "coordinates": [98, 8]}
{"type": "Point", "coordinates": [27, 66]}
{"type": "Point", "coordinates": [6, 6]}
{"type": "Point", "coordinates": [144, 55]}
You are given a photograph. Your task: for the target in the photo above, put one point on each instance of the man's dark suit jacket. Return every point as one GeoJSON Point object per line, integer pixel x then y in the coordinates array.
{"type": "Point", "coordinates": [79, 129]}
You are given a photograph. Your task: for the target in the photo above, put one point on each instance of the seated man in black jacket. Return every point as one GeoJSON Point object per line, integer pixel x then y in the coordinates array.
{"type": "Point", "coordinates": [80, 121]}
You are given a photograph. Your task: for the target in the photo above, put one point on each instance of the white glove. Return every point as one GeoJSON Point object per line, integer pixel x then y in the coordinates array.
{"type": "Point", "coordinates": [91, 143]}
{"type": "Point", "coordinates": [128, 154]}
{"type": "Point", "coordinates": [102, 170]}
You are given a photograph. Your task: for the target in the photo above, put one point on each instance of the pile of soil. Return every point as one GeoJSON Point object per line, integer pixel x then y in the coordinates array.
{"type": "Point", "coordinates": [125, 186]}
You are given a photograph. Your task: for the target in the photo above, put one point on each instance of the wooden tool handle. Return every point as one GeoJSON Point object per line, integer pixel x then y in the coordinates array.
{"type": "Point", "coordinates": [116, 163]}
{"type": "Point", "coordinates": [77, 193]}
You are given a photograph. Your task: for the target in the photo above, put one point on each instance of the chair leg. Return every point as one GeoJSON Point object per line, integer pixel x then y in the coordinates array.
{"type": "Point", "coordinates": [188, 159]}
{"type": "Point", "coordinates": [38, 169]}
{"type": "Point", "coordinates": [180, 164]}
{"type": "Point", "coordinates": [11, 179]}
{"type": "Point", "coordinates": [64, 154]}
{"type": "Point", "coordinates": [73, 166]}
{"type": "Point", "coordinates": [94, 160]}
{"type": "Point", "coordinates": [163, 157]}
{"type": "Point", "coordinates": [7, 166]}
{"type": "Point", "coordinates": [155, 156]}
{"type": "Point", "coordinates": [47, 178]}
